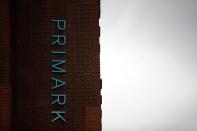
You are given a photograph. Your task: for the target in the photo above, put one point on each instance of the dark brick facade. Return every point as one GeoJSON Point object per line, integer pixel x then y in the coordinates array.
{"type": "Point", "coordinates": [31, 29]}
{"type": "Point", "coordinates": [5, 80]}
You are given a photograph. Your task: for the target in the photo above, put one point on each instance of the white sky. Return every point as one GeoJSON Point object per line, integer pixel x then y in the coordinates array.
{"type": "Point", "coordinates": [148, 65]}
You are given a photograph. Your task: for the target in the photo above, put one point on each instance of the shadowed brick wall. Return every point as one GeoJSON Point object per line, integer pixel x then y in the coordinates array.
{"type": "Point", "coordinates": [5, 86]}
{"type": "Point", "coordinates": [32, 31]}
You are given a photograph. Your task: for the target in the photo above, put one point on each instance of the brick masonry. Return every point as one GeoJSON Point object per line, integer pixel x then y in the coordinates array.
{"type": "Point", "coordinates": [5, 80]}
{"type": "Point", "coordinates": [30, 65]}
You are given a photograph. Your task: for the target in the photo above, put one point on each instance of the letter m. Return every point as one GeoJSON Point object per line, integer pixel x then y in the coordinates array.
{"type": "Point", "coordinates": [55, 64]}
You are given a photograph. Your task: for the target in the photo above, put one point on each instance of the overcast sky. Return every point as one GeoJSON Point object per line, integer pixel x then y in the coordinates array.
{"type": "Point", "coordinates": [149, 65]}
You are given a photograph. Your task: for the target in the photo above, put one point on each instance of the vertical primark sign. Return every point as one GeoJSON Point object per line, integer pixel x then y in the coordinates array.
{"type": "Point", "coordinates": [58, 96]}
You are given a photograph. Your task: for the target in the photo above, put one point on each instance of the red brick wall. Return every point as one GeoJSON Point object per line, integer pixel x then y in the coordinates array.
{"type": "Point", "coordinates": [29, 33]}
{"type": "Point", "coordinates": [92, 118]}
{"type": "Point", "coordinates": [5, 106]}
{"type": "Point", "coordinates": [5, 88]}
{"type": "Point", "coordinates": [32, 64]}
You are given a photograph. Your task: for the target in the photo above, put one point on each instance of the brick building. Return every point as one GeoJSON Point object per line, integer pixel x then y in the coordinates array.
{"type": "Point", "coordinates": [5, 80]}
{"type": "Point", "coordinates": [28, 29]}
